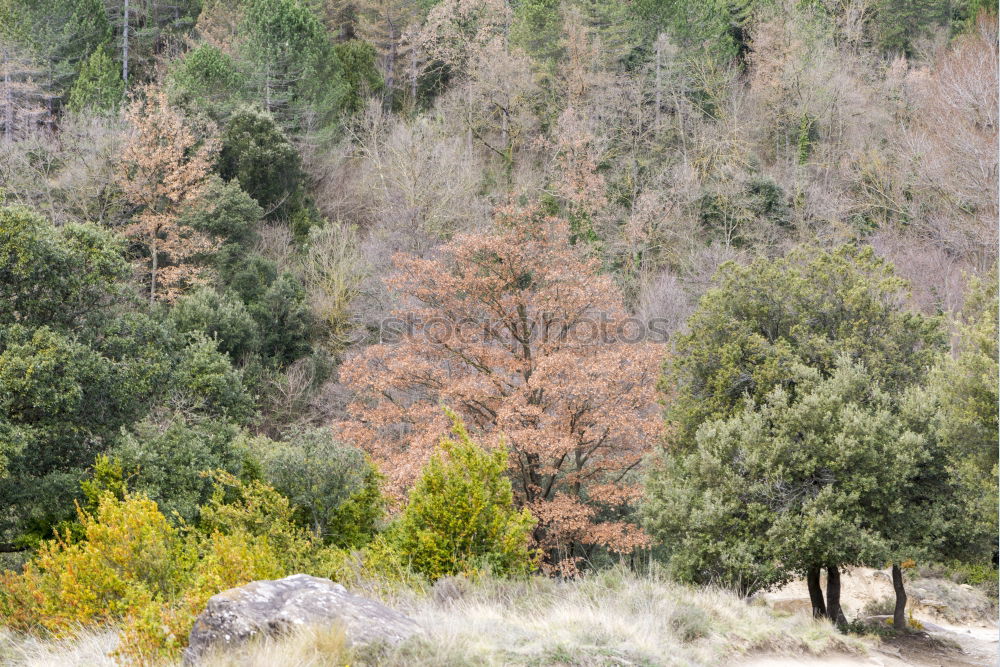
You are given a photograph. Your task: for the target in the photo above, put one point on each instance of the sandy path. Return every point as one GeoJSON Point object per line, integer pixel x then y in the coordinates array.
{"type": "Point", "coordinates": [972, 644]}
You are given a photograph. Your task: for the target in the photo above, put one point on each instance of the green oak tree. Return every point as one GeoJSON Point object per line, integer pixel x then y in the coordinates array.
{"type": "Point", "coordinates": [80, 360]}
{"type": "Point", "coordinates": [257, 153]}
{"type": "Point", "coordinates": [810, 307]}
{"type": "Point", "coordinates": [168, 459]}
{"type": "Point", "coordinates": [838, 472]}
{"type": "Point", "coordinates": [329, 483]}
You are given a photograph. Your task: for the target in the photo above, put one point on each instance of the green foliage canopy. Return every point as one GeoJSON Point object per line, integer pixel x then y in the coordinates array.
{"type": "Point", "coordinates": [810, 307]}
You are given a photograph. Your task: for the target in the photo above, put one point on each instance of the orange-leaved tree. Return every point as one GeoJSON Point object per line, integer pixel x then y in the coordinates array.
{"type": "Point", "coordinates": [163, 167]}
{"type": "Point", "coordinates": [517, 332]}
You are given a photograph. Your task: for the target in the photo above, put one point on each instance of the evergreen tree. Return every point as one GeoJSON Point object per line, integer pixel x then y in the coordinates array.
{"type": "Point", "coordinates": [537, 28]}
{"type": "Point", "coordinates": [209, 80]}
{"type": "Point", "coordinates": [295, 68]}
{"type": "Point", "coordinates": [716, 28]}
{"type": "Point", "coordinates": [810, 307]}
{"type": "Point", "coordinates": [360, 71]}
{"type": "Point", "coordinates": [99, 87]}
{"type": "Point", "coordinates": [258, 154]}
{"type": "Point", "coordinates": [62, 35]}
{"type": "Point", "coordinates": [834, 473]}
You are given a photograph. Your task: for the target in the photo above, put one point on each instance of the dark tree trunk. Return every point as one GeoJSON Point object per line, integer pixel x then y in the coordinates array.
{"type": "Point", "coordinates": [833, 610]}
{"type": "Point", "coordinates": [899, 613]}
{"type": "Point", "coordinates": [815, 592]}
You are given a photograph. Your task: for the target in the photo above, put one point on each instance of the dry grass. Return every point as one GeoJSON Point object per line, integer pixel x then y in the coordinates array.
{"type": "Point", "coordinates": [88, 647]}
{"type": "Point", "coordinates": [611, 618]}
{"type": "Point", "coordinates": [308, 647]}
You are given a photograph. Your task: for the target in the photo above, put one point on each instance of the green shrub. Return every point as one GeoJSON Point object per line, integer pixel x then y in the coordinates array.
{"type": "Point", "coordinates": [356, 521]}
{"type": "Point", "coordinates": [167, 460]}
{"type": "Point", "coordinates": [205, 382]}
{"type": "Point", "coordinates": [287, 324]}
{"type": "Point", "coordinates": [225, 211]}
{"type": "Point", "coordinates": [129, 555]}
{"type": "Point", "coordinates": [334, 489]}
{"type": "Point", "coordinates": [460, 517]}
{"type": "Point", "coordinates": [218, 316]}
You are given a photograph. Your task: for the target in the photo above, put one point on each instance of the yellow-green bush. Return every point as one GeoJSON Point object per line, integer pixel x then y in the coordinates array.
{"type": "Point", "coordinates": [131, 566]}
{"type": "Point", "coordinates": [160, 628]}
{"type": "Point", "coordinates": [129, 554]}
{"type": "Point", "coordinates": [460, 517]}
{"type": "Point", "coordinates": [123, 562]}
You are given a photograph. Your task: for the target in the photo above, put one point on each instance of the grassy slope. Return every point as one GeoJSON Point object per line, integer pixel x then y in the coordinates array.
{"type": "Point", "coordinates": [610, 618]}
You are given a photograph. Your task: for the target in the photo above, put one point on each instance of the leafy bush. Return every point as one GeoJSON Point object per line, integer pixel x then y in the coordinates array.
{"type": "Point", "coordinates": [980, 575]}
{"type": "Point", "coordinates": [129, 555]}
{"type": "Point", "coordinates": [131, 565]}
{"type": "Point", "coordinates": [884, 606]}
{"type": "Point", "coordinates": [285, 320]}
{"type": "Point", "coordinates": [460, 517]}
{"type": "Point", "coordinates": [330, 484]}
{"type": "Point", "coordinates": [218, 316]}
{"type": "Point", "coordinates": [168, 461]}
{"type": "Point", "coordinates": [206, 382]}
{"type": "Point", "coordinates": [225, 211]}
{"type": "Point", "coordinates": [357, 520]}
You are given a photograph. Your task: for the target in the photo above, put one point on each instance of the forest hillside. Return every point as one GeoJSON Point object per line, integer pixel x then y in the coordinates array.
{"type": "Point", "coordinates": [657, 306]}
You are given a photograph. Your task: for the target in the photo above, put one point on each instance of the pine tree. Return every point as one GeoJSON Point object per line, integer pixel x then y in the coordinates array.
{"type": "Point", "coordinates": [294, 66]}
{"type": "Point", "coordinates": [99, 87]}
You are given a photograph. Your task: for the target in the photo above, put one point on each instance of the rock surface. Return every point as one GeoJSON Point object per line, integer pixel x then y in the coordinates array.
{"type": "Point", "coordinates": [273, 607]}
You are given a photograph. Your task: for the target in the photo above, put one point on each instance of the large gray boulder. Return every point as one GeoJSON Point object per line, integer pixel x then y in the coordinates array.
{"type": "Point", "coordinates": [272, 607]}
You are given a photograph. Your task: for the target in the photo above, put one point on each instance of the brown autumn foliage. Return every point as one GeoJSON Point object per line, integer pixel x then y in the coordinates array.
{"type": "Point", "coordinates": [517, 332]}
{"type": "Point", "coordinates": [163, 167]}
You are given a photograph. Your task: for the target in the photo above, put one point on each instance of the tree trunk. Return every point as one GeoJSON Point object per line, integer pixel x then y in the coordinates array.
{"type": "Point", "coordinates": [659, 56]}
{"type": "Point", "coordinates": [267, 86]}
{"type": "Point", "coordinates": [899, 613]}
{"type": "Point", "coordinates": [125, 46]}
{"type": "Point", "coordinates": [833, 610]}
{"type": "Point", "coordinates": [815, 592]}
{"type": "Point", "coordinates": [152, 273]}
{"type": "Point", "coordinates": [390, 73]}
{"type": "Point", "coordinates": [413, 75]}
{"type": "Point", "coordinates": [8, 123]}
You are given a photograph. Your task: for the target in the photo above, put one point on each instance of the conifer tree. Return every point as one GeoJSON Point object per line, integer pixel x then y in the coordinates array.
{"type": "Point", "coordinates": [99, 86]}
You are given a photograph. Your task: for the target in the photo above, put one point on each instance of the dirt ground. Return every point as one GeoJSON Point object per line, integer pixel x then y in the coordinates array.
{"type": "Point", "coordinates": [958, 626]}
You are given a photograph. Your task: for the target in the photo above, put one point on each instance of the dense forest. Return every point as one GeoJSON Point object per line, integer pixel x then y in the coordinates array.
{"type": "Point", "coordinates": [420, 288]}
